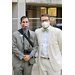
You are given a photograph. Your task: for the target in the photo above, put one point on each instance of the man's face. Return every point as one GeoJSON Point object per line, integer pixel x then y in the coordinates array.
{"type": "Point", "coordinates": [25, 21]}
{"type": "Point", "coordinates": [44, 19]}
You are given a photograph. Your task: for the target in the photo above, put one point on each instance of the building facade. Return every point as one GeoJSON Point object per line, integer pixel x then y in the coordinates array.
{"type": "Point", "coordinates": [33, 9]}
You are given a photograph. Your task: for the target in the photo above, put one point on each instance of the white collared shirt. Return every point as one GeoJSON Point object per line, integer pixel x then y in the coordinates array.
{"type": "Point", "coordinates": [44, 51]}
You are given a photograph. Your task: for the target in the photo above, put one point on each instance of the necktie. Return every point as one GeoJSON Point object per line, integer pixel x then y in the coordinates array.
{"type": "Point", "coordinates": [45, 30]}
{"type": "Point", "coordinates": [25, 33]}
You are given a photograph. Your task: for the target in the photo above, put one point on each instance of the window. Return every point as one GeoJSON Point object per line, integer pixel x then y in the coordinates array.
{"type": "Point", "coordinates": [43, 10]}
{"type": "Point", "coordinates": [52, 12]}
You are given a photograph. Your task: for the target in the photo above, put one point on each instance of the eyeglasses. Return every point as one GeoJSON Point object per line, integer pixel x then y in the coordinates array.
{"type": "Point", "coordinates": [46, 20]}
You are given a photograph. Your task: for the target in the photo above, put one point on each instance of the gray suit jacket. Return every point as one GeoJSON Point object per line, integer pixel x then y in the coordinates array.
{"type": "Point", "coordinates": [17, 47]}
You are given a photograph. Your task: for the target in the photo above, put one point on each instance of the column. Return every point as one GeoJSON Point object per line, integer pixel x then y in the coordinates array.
{"type": "Point", "coordinates": [18, 10]}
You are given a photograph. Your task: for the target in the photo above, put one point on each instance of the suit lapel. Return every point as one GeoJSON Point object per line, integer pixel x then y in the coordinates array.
{"type": "Point", "coordinates": [40, 37]}
{"type": "Point", "coordinates": [50, 36]}
{"type": "Point", "coordinates": [21, 34]}
{"type": "Point", "coordinates": [21, 37]}
{"type": "Point", "coordinates": [50, 40]}
{"type": "Point", "coordinates": [40, 41]}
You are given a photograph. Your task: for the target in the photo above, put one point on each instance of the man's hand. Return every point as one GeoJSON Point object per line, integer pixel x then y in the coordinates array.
{"type": "Point", "coordinates": [26, 57]}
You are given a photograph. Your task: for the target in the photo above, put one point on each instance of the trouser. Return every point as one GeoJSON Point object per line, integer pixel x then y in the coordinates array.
{"type": "Point", "coordinates": [46, 68]}
{"type": "Point", "coordinates": [24, 69]}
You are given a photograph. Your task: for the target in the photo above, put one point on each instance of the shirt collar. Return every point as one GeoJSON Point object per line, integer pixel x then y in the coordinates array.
{"type": "Point", "coordinates": [25, 31]}
{"type": "Point", "coordinates": [48, 27]}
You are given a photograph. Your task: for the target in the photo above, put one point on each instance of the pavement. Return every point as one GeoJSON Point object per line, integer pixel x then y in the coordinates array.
{"type": "Point", "coordinates": [34, 70]}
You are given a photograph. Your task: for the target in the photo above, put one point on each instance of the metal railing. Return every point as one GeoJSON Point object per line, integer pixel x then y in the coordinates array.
{"type": "Point", "coordinates": [35, 23]}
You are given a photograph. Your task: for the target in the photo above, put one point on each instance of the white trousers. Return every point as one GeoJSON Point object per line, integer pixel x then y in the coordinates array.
{"type": "Point", "coordinates": [46, 69]}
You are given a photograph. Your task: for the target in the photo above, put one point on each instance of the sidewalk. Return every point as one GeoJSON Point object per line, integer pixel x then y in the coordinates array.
{"type": "Point", "coordinates": [34, 70]}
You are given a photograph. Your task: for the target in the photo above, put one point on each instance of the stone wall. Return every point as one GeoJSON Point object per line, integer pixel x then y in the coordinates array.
{"type": "Point", "coordinates": [45, 1]}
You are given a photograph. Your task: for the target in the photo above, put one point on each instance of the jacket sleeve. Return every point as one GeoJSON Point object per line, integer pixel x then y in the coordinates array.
{"type": "Point", "coordinates": [15, 49]}
{"type": "Point", "coordinates": [35, 48]}
{"type": "Point", "coordinates": [59, 38]}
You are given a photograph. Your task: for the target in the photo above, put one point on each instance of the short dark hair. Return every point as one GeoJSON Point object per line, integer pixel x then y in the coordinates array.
{"type": "Point", "coordinates": [24, 17]}
{"type": "Point", "coordinates": [45, 15]}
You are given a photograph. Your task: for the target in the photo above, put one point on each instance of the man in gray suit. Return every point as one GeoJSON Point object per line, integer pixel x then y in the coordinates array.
{"type": "Point", "coordinates": [23, 51]}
